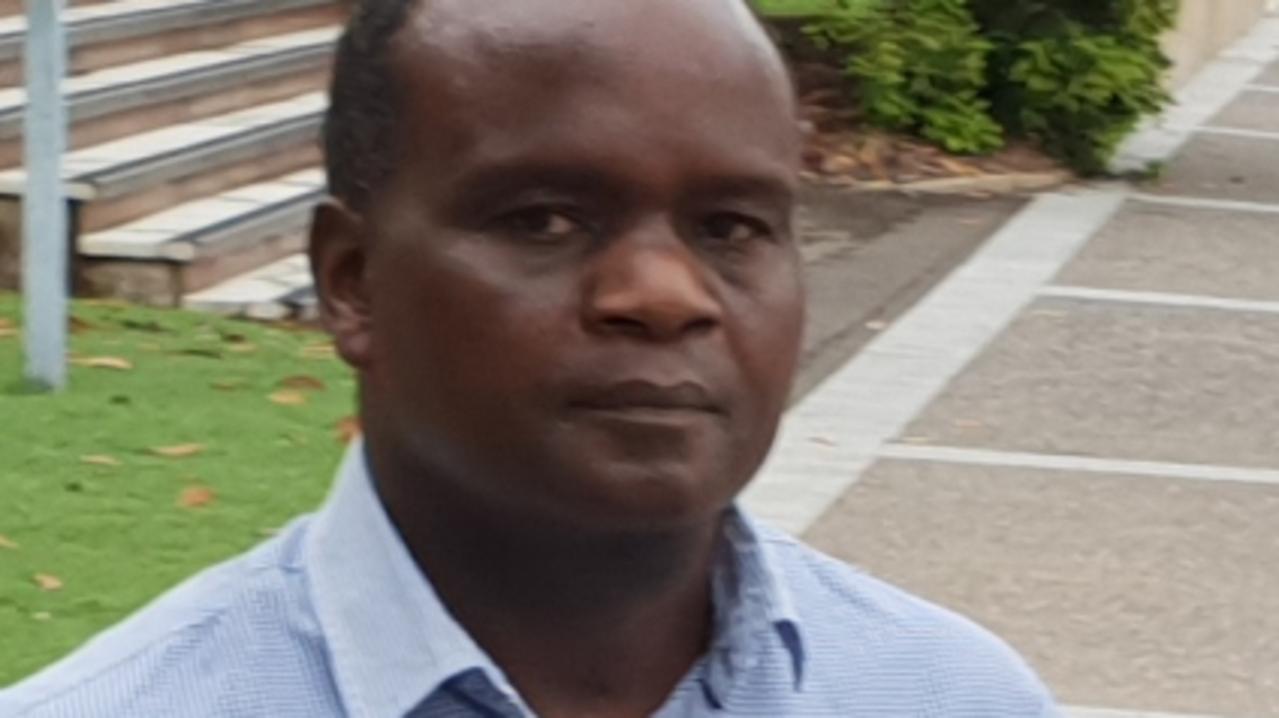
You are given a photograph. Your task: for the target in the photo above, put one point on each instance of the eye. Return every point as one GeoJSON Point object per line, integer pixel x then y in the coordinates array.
{"type": "Point", "coordinates": [733, 229]}
{"type": "Point", "coordinates": [543, 224]}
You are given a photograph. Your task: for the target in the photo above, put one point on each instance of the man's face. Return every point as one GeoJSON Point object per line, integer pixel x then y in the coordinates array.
{"type": "Point", "coordinates": [584, 297]}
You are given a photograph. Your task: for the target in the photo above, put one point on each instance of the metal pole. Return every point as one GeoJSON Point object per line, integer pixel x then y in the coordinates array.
{"type": "Point", "coordinates": [44, 208]}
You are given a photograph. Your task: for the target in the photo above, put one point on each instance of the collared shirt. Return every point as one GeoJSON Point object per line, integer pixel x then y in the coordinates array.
{"type": "Point", "coordinates": [333, 618]}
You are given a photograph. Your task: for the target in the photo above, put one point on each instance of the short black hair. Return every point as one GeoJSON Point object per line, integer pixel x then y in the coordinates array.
{"type": "Point", "coordinates": [359, 128]}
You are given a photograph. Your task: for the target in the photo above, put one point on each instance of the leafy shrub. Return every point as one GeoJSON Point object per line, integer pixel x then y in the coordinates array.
{"type": "Point", "coordinates": [918, 66]}
{"type": "Point", "coordinates": [1075, 75]}
{"type": "Point", "coordinates": [1079, 95]}
{"type": "Point", "coordinates": [1143, 19]}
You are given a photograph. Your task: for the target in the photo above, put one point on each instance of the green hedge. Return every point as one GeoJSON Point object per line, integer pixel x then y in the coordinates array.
{"type": "Point", "coordinates": [792, 8]}
{"type": "Point", "coordinates": [1075, 75]}
{"type": "Point", "coordinates": [919, 65]}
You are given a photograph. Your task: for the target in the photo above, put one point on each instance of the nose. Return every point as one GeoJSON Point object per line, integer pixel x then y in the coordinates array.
{"type": "Point", "coordinates": [650, 286]}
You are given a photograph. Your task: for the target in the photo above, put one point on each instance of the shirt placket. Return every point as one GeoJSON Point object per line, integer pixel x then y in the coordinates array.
{"type": "Point", "coordinates": [470, 694]}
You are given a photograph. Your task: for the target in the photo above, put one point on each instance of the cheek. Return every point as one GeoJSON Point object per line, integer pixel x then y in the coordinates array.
{"type": "Point", "coordinates": [771, 323]}
{"type": "Point", "coordinates": [448, 325]}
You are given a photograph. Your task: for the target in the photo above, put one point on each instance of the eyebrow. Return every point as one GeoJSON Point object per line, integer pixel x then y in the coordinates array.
{"type": "Point", "coordinates": [507, 178]}
{"type": "Point", "coordinates": [472, 190]}
{"type": "Point", "coordinates": [758, 187]}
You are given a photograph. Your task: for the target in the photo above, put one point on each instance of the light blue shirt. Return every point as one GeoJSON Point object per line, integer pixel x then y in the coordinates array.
{"type": "Point", "coordinates": [333, 618]}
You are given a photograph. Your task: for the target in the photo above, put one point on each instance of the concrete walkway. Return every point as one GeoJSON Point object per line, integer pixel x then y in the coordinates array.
{"type": "Point", "coordinates": [1074, 439]}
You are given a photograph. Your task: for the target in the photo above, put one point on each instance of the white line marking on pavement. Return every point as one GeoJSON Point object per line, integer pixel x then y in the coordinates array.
{"type": "Point", "coordinates": [1079, 464]}
{"type": "Point", "coordinates": [1163, 299]}
{"type": "Point", "coordinates": [1107, 713]}
{"type": "Point", "coordinates": [843, 427]}
{"type": "Point", "coordinates": [1203, 203]}
{"type": "Point", "coordinates": [1202, 98]}
{"type": "Point", "coordinates": [830, 437]}
{"type": "Point", "coordinates": [1239, 132]}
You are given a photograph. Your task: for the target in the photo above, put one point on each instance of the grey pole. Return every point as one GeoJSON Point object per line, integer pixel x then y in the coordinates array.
{"type": "Point", "coordinates": [44, 208]}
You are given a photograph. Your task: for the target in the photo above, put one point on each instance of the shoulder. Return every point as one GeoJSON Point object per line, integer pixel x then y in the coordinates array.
{"type": "Point", "coordinates": [896, 646]}
{"type": "Point", "coordinates": [192, 651]}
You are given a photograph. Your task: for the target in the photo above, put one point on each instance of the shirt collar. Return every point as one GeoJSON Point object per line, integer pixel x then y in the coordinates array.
{"type": "Point", "coordinates": [391, 639]}
{"type": "Point", "coordinates": [754, 610]}
{"type": "Point", "coordinates": [393, 643]}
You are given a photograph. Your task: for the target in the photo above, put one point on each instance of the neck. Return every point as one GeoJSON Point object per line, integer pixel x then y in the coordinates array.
{"type": "Point", "coordinates": [584, 622]}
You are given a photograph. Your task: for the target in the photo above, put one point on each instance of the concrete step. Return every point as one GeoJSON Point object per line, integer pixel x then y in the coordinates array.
{"type": "Point", "coordinates": [194, 245]}
{"type": "Point", "coordinates": [103, 35]}
{"type": "Point", "coordinates": [128, 179]}
{"type": "Point", "coordinates": [282, 290]}
{"type": "Point", "coordinates": [130, 99]}
{"type": "Point", "coordinates": [195, 156]}
{"type": "Point", "coordinates": [9, 8]}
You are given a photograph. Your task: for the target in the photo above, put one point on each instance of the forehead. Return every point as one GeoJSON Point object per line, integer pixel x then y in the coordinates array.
{"type": "Point", "coordinates": [681, 29]}
{"type": "Point", "coordinates": [696, 78]}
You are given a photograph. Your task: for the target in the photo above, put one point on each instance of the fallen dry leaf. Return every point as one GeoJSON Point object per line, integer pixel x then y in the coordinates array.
{"type": "Point", "coordinates": [872, 156]}
{"type": "Point", "coordinates": [42, 616]}
{"type": "Point", "coordinates": [8, 332]}
{"type": "Point", "coordinates": [100, 460]}
{"type": "Point", "coordinates": [303, 382]}
{"type": "Point", "coordinates": [48, 582]}
{"type": "Point", "coordinates": [838, 164]}
{"type": "Point", "coordinates": [194, 497]}
{"type": "Point", "coordinates": [6, 323]}
{"type": "Point", "coordinates": [181, 451]}
{"type": "Point", "coordinates": [242, 348]}
{"type": "Point", "coordinates": [288, 398]}
{"type": "Point", "coordinates": [7, 543]}
{"type": "Point", "coordinates": [348, 429]}
{"type": "Point", "coordinates": [955, 167]}
{"type": "Point", "coordinates": [115, 363]}
{"type": "Point", "coordinates": [319, 351]}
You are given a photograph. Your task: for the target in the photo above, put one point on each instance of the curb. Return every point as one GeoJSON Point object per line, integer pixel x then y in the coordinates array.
{"type": "Point", "coordinates": [1015, 183]}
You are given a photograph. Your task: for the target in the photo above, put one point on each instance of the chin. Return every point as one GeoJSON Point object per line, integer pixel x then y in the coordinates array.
{"type": "Point", "coordinates": [649, 497]}
{"type": "Point", "coordinates": [624, 471]}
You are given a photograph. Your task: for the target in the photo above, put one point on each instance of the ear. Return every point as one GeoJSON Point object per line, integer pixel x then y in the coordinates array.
{"type": "Point", "coordinates": [339, 259]}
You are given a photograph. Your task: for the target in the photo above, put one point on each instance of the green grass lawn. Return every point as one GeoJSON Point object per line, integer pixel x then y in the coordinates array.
{"type": "Point", "coordinates": [86, 500]}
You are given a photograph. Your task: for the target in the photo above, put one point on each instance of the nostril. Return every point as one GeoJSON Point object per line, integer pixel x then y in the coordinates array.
{"type": "Point", "coordinates": [652, 294]}
{"type": "Point", "coordinates": [627, 326]}
{"type": "Point", "coordinates": [702, 326]}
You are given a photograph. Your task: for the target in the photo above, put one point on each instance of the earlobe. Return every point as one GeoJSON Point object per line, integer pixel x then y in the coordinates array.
{"type": "Point", "coordinates": [338, 251]}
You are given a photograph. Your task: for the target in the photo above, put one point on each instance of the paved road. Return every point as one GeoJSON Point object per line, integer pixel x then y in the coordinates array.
{"type": "Point", "coordinates": [1075, 437]}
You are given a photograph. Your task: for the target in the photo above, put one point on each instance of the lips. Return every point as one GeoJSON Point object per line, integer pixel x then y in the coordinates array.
{"type": "Point", "coordinates": [645, 396]}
